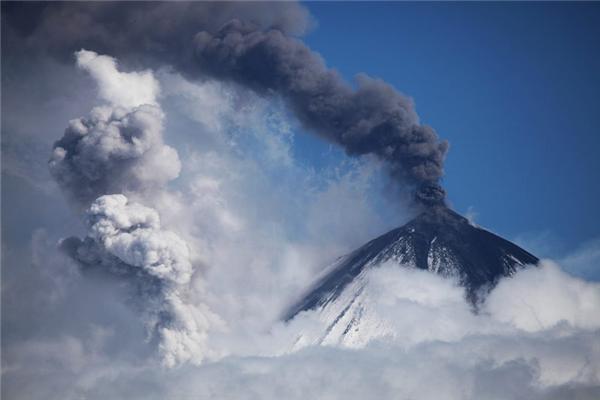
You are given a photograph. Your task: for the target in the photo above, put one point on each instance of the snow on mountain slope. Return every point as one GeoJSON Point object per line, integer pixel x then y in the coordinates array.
{"type": "Point", "coordinates": [439, 240]}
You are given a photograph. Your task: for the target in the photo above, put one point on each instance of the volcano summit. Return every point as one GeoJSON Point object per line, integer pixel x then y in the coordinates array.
{"type": "Point", "coordinates": [438, 240]}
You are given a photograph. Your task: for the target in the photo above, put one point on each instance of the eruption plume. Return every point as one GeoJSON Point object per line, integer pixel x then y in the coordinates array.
{"type": "Point", "coordinates": [125, 240]}
{"type": "Point", "coordinates": [256, 45]}
{"type": "Point", "coordinates": [119, 148]}
{"type": "Point", "coordinates": [374, 118]}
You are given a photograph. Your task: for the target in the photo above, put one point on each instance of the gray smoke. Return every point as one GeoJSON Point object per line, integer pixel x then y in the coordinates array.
{"type": "Point", "coordinates": [255, 45]}
{"type": "Point", "coordinates": [119, 147]}
{"type": "Point", "coordinates": [140, 32]}
{"type": "Point", "coordinates": [374, 118]}
{"type": "Point", "coordinates": [111, 151]}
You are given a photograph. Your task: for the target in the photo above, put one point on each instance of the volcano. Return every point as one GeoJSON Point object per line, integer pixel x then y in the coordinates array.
{"type": "Point", "coordinates": [438, 240]}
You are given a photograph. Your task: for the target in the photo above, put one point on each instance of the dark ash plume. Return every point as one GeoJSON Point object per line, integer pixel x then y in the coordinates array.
{"type": "Point", "coordinates": [257, 48]}
{"type": "Point", "coordinates": [140, 33]}
{"type": "Point", "coordinates": [374, 118]}
{"type": "Point", "coordinates": [430, 194]}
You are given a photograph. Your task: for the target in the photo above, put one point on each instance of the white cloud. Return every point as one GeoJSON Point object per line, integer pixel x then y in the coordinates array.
{"type": "Point", "coordinates": [131, 232]}
{"type": "Point", "coordinates": [125, 240]}
{"type": "Point", "coordinates": [491, 358]}
{"type": "Point", "coordinates": [542, 298]}
{"type": "Point", "coordinates": [120, 89]}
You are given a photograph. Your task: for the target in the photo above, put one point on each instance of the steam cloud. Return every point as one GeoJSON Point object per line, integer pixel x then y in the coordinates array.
{"type": "Point", "coordinates": [119, 148]}
{"type": "Point", "coordinates": [126, 240]}
{"type": "Point", "coordinates": [443, 351]}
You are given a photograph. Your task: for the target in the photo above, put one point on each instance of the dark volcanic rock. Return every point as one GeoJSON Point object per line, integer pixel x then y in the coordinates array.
{"type": "Point", "coordinates": [438, 240]}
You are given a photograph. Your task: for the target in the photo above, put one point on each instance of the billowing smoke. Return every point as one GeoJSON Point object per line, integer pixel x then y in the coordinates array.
{"type": "Point", "coordinates": [154, 33]}
{"type": "Point", "coordinates": [373, 119]}
{"type": "Point", "coordinates": [126, 240]}
{"type": "Point", "coordinates": [119, 146]}
{"type": "Point", "coordinates": [256, 45]}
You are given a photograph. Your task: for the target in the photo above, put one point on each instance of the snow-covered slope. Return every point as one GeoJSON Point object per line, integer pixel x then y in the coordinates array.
{"type": "Point", "coordinates": [438, 240]}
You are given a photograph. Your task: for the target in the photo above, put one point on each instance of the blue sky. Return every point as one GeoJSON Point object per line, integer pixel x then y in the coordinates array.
{"type": "Point", "coordinates": [513, 87]}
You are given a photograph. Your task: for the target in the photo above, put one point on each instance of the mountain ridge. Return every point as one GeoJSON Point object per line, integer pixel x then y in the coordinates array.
{"type": "Point", "coordinates": [439, 240]}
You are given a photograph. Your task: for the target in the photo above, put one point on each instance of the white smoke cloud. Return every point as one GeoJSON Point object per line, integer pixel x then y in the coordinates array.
{"type": "Point", "coordinates": [543, 298]}
{"type": "Point", "coordinates": [120, 89]}
{"type": "Point", "coordinates": [118, 147]}
{"type": "Point", "coordinates": [126, 240]}
{"type": "Point", "coordinates": [131, 232]}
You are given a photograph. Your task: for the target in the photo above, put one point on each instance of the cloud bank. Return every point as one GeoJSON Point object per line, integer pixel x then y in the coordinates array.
{"type": "Point", "coordinates": [443, 351]}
